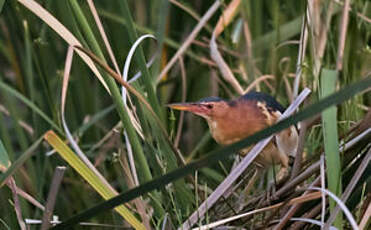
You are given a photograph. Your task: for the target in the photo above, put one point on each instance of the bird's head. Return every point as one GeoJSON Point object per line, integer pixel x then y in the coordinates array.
{"type": "Point", "coordinates": [208, 108]}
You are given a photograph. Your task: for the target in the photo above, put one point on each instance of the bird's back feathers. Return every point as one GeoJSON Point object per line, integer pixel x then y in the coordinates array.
{"type": "Point", "coordinates": [265, 98]}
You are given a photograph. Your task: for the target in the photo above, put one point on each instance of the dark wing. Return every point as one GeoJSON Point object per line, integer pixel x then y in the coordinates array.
{"type": "Point", "coordinates": [267, 99]}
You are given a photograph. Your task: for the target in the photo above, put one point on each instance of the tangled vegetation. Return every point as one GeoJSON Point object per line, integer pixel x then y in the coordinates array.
{"type": "Point", "coordinates": [86, 137]}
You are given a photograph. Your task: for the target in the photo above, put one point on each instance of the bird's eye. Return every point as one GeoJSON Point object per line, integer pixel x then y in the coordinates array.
{"type": "Point", "coordinates": [209, 106]}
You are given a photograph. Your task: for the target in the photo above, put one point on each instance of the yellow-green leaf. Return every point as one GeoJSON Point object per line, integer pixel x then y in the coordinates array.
{"type": "Point", "coordinates": [72, 159]}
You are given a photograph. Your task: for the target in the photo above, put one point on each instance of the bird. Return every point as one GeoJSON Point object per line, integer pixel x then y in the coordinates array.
{"type": "Point", "coordinates": [230, 121]}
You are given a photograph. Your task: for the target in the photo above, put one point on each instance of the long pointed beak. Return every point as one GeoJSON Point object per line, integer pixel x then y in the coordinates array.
{"type": "Point", "coordinates": [194, 107]}
{"type": "Point", "coordinates": [191, 107]}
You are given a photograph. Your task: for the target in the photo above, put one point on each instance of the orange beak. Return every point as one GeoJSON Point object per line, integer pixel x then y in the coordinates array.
{"type": "Point", "coordinates": [195, 108]}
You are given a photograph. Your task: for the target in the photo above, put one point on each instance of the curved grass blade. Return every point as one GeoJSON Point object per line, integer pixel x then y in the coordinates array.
{"type": "Point", "coordinates": [125, 74]}
{"type": "Point", "coordinates": [314, 222]}
{"type": "Point", "coordinates": [140, 60]}
{"type": "Point", "coordinates": [344, 208]}
{"type": "Point", "coordinates": [74, 145]}
{"type": "Point", "coordinates": [217, 155]}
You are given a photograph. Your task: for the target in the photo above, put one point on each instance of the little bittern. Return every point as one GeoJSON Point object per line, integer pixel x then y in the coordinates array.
{"type": "Point", "coordinates": [234, 120]}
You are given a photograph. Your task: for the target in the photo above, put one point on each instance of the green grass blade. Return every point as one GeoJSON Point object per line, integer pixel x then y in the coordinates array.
{"type": "Point", "coordinates": [30, 104]}
{"type": "Point", "coordinates": [286, 31]}
{"type": "Point", "coordinates": [4, 158]}
{"type": "Point", "coordinates": [19, 162]}
{"type": "Point", "coordinates": [330, 135]}
{"type": "Point", "coordinates": [16, 116]}
{"type": "Point", "coordinates": [94, 119]}
{"type": "Point", "coordinates": [220, 154]}
{"type": "Point", "coordinates": [6, 137]}
{"type": "Point", "coordinates": [87, 31]}
{"type": "Point", "coordinates": [161, 32]}
{"type": "Point", "coordinates": [1, 5]}
{"type": "Point", "coordinates": [30, 77]}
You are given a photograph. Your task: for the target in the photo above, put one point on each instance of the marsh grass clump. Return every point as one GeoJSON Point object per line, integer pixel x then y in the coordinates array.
{"type": "Point", "coordinates": [87, 138]}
